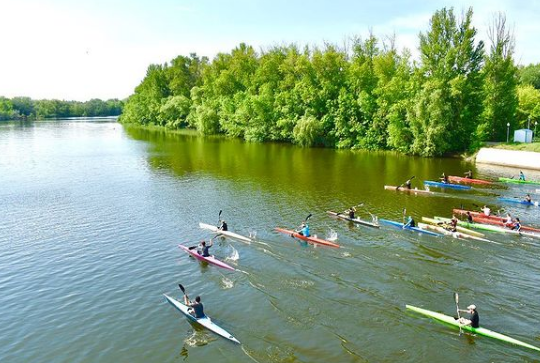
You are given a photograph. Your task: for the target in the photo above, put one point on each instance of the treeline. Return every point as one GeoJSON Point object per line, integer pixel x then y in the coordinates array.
{"type": "Point", "coordinates": [367, 96]}
{"type": "Point", "coordinates": [26, 108]}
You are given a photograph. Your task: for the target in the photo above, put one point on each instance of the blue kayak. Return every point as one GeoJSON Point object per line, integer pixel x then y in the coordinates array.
{"type": "Point", "coordinates": [519, 201]}
{"type": "Point", "coordinates": [416, 229]}
{"type": "Point", "coordinates": [446, 185]}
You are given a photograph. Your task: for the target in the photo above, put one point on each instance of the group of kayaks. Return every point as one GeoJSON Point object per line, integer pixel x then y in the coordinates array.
{"type": "Point", "coordinates": [436, 227]}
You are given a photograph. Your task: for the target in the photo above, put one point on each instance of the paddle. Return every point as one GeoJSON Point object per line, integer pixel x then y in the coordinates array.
{"type": "Point", "coordinates": [183, 290]}
{"type": "Point", "coordinates": [456, 299]}
{"type": "Point", "coordinates": [404, 212]}
{"type": "Point", "coordinates": [411, 178]}
{"type": "Point", "coordinates": [305, 221]}
{"type": "Point", "coordinates": [219, 217]}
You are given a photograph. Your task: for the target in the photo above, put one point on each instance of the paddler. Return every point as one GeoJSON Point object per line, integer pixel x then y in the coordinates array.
{"type": "Point", "coordinates": [528, 198]}
{"type": "Point", "coordinates": [223, 226]}
{"type": "Point", "coordinates": [351, 212]}
{"type": "Point", "coordinates": [468, 174]}
{"type": "Point", "coordinates": [485, 209]}
{"type": "Point", "coordinates": [410, 223]}
{"type": "Point", "coordinates": [304, 230]}
{"type": "Point", "coordinates": [453, 223]}
{"type": "Point", "coordinates": [474, 319]}
{"type": "Point", "coordinates": [521, 176]}
{"type": "Point", "coordinates": [508, 221]}
{"type": "Point", "coordinates": [517, 225]}
{"type": "Point", "coordinates": [196, 307]}
{"type": "Point", "coordinates": [444, 178]}
{"type": "Point", "coordinates": [203, 250]}
{"type": "Point", "coordinates": [469, 217]}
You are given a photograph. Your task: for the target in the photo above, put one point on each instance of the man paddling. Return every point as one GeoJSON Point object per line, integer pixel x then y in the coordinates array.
{"type": "Point", "coordinates": [223, 226]}
{"type": "Point", "coordinates": [203, 251]}
{"type": "Point", "coordinates": [474, 320]}
{"type": "Point", "coordinates": [350, 212]}
{"type": "Point", "coordinates": [485, 209]}
{"type": "Point", "coordinates": [410, 223]}
{"type": "Point", "coordinates": [197, 309]}
{"type": "Point", "coordinates": [468, 174]}
{"type": "Point", "coordinates": [444, 178]}
{"type": "Point", "coordinates": [528, 198]}
{"type": "Point", "coordinates": [304, 230]}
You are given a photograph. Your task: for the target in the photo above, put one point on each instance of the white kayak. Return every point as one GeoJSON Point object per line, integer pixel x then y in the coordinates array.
{"type": "Point", "coordinates": [205, 322]}
{"type": "Point", "coordinates": [225, 233]}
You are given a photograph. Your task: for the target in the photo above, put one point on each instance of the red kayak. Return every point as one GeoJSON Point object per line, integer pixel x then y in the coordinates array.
{"type": "Point", "coordinates": [498, 221]}
{"type": "Point", "coordinates": [460, 179]}
{"type": "Point", "coordinates": [313, 240]}
{"type": "Point", "coordinates": [478, 214]}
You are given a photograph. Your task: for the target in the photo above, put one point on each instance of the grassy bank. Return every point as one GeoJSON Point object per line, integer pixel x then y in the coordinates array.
{"type": "Point", "coordinates": [534, 146]}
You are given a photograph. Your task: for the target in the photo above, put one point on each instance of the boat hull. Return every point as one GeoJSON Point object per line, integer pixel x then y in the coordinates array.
{"type": "Point", "coordinates": [406, 190]}
{"type": "Point", "coordinates": [446, 185]}
{"type": "Point", "coordinates": [312, 239]}
{"type": "Point", "coordinates": [225, 233]}
{"type": "Point", "coordinates": [355, 220]}
{"type": "Point", "coordinates": [460, 179]}
{"type": "Point", "coordinates": [211, 259]}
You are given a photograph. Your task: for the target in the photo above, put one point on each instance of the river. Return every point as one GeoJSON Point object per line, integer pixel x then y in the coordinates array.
{"type": "Point", "coordinates": [92, 213]}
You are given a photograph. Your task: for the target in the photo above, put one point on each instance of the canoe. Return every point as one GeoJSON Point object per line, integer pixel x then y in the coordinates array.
{"type": "Point", "coordinates": [459, 228]}
{"type": "Point", "coordinates": [477, 214]}
{"type": "Point", "coordinates": [456, 234]}
{"type": "Point", "coordinates": [480, 331]}
{"type": "Point", "coordinates": [403, 189]}
{"type": "Point", "coordinates": [312, 239]}
{"type": "Point", "coordinates": [211, 259]}
{"type": "Point", "coordinates": [400, 225]}
{"type": "Point", "coordinates": [490, 228]}
{"type": "Point", "coordinates": [225, 233]}
{"type": "Point", "coordinates": [460, 179]}
{"type": "Point", "coordinates": [446, 185]}
{"type": "Point", "coordinates": [205, 322]}
{"type": "Point", "coordinates": [518, 201]}
{"type": "Point", "coordinates": [517, 181]}
{"type": "Point", "coordinates": [355, 220]}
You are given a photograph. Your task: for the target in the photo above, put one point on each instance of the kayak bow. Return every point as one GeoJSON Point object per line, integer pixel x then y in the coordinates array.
{"type": "Point", "coordinates": [403, 189]}
{"type": "Point", "coordinates": [355, 220]}
{"type": "Point", "coordinates": [481, 331]}
{"type": "Point", "coordinates": [205, 322]}
{"type": "Point", "coordinates": [225, 233]}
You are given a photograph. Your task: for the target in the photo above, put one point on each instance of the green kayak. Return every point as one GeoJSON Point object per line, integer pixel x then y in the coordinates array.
{"type": "Point", "coordinates": [480, 331]}
{"type": "Point", "coordinates": [518, 181]}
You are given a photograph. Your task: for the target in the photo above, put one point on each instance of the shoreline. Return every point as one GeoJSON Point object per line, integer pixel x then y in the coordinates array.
{"type": "Point", "coordinates": [511, 158]}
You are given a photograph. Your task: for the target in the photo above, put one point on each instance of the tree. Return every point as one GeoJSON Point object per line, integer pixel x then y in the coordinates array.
{"type": "Point", "coordinates": [530, 75]}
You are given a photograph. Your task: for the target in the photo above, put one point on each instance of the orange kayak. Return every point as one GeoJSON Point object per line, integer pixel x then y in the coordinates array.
{"type": "Point", "coordinates": [312, 239]}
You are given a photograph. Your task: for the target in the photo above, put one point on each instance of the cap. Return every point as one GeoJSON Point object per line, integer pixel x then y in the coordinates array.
{"type": "Point", "coordinates": [471, 307]}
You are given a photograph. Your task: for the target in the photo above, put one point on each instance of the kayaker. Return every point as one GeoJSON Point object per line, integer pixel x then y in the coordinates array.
{"type": "Point", "coordinates": [223, 226]}
{"type": "Point", "coordinates": [408, 184]}
{"type": "Point", "coordinates": [508, 221]}
{"type": "Point", "coordinates": [521, 176]}
{"type": "Point", "coordinates": [528, 198]}
{"type": "Point", "coordinates": [474, 319]}
{"type": "Point", "coordinates": [453, 223]}
{"type": "Point", "coordinates": [444, 178]}
{"type": "Point", "coordinates": [468, 174]}
{"type": "Point", "coordinates": [517, 225]}
{"type": "Point", "coordinates": [469, 217]}
{"type": "Point", "coordinates": [196, 307]}
{"type": "Point", "coordinates": [203, 251]}
{"type": "Point", "coordinates": [351, 212]}
{"type": "Point", "coordinates": [410, 223]}
{"type": "Point", "coordinates": [304, 230]}
{"type": "Point", "coordinates": [485, 209]}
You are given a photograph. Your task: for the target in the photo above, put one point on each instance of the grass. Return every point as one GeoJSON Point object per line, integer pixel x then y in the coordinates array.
{"type": "Point", "coordinates": [521, 146]}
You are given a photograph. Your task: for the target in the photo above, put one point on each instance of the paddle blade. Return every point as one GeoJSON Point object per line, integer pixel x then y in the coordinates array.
{"type": "Point", "coordinates": [308, 217]}
{"type": "Point", "coordinates": [456, 297]}
{"type": "Point", "coordinates": [182, 288]}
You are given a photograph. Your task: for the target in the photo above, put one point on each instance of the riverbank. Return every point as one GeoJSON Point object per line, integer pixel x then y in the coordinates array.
{"type": "Point", "coordinates": [507, 157]}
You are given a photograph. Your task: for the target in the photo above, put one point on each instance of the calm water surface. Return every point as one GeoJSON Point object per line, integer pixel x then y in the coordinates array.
{"type": "Point", "coordinates": [92, 214]}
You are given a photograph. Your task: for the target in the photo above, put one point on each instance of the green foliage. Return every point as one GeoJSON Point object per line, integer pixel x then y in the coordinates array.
{"type": "Point", "coordinates": [367, 97]}
{"type": "Point", "coordinates": [528, 105]}
{"type": "Point", "coordinates": [530, 75]}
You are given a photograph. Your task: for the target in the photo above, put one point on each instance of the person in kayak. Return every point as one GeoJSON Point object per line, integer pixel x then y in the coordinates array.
{"type": "Point", "coordinates": [350, 212]}
{"type": "Point", "coordinates": [203, 250]}
{"type": "Point", "coordinates": [453, 224]}
{"type": "Point", "coordinates": [223, 226]}
{"type": "Point", "coordinates": [474, 320]}
{"type": "Point", "coordinates": [468, 174]}
{"type": "Point", "coordinates": [469, 217]}
{"type": "Point", "coordinates": [304, 230]}
{"type": "Point", "coordinates": [444, 178]}
{"type": "Point", "coordinates": [508, 222]}
{"type": "Point", "coordinates": [485, 209]}
{"type": "Point", "coordinates": [196, 307]}
{"type": "Point", "coordinates": [521, 176]}
{"type": "Point", "coordinates": [410, 223]}
{"type": "Point", "coordinates": [517, 225]}
{"type": "Point", "coordinates": [528, 198]}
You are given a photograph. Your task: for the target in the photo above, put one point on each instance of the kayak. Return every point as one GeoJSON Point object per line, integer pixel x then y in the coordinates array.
{"type": "Point", "coordinates": [500, 221]}
{"type": "Point", "coordinates": [480, 331]}
{"type": "Point", "coordinates": [400, 225]}
{"type": "Point", "coordinates": [487, 227]}
{"type": "Point", "coordinates": [225, 233]}
{"type": "Point", "coordinates": [312, 239]}
{"type": "Point", "coordinates": [205, 322]}
{"type": "Point", "coordinates": [517, 181]}
{"type": "Point", "coordinates": [446, 232]}
{"type": "Point", "coordinates": [519, 201]}
{"type": "Point", "coordinates": [446, 185]}
{"type": "Point", "coordinates": [460, 179]}
{"type": "Point", "coordinates": [355, 220]}
{"type": "Point", "coordinates": [459, 228]}
{"type": "Point", "coordinates": [211, 259]}
{"type": "Point", "coordinates": [403, 189]}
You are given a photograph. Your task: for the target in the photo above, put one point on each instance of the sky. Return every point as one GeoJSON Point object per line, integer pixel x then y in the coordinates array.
{"type": "Point", "coordinates": [79, 50]}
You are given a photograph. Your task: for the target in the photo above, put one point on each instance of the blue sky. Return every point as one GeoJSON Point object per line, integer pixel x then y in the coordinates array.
{"type": "Point", "coordinates": [78, 50]}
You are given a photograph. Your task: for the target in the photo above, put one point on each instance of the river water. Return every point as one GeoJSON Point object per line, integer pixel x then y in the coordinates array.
{"type": "Point", "coordinates": [92, 214]}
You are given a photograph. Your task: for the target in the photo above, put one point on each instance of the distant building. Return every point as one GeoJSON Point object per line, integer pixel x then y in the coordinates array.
{"type": "Point", "coordinates": [523, 135]}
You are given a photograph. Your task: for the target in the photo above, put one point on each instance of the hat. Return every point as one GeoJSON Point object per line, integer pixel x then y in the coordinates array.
{"type": "Point", "coordinates": [471, 307]}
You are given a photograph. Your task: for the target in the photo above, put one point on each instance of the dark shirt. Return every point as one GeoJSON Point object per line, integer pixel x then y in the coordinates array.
{"type": "Point", "coordinates": [408, 184]}
{"type": "Point", "coordinates": [351, 214]}
{"type": "Point", "coordinates": [475, 320]}
{"type": "Point", "coordinates": [223, 226]}
{"type": "Point", "coordinates": [198, 309]}
{"type": "Point", "coordinates": [204, 251]}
